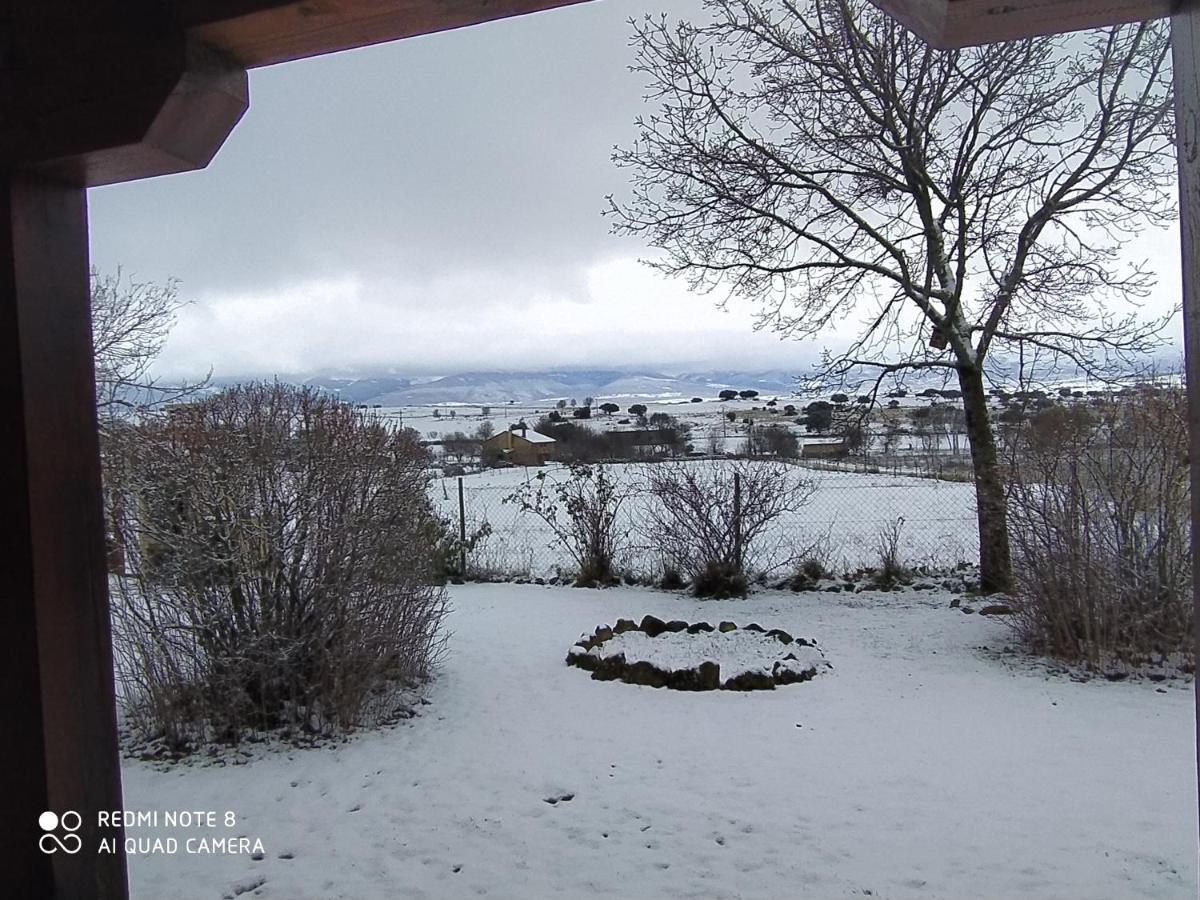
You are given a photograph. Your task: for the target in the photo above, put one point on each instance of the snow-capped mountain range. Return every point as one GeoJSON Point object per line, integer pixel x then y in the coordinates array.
{"type": "Point", "coordinates": [527, 387]}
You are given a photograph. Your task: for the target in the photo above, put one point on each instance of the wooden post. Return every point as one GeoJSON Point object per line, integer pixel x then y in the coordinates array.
{"type": "Point", "coordinates": [462, 531]}
{"type": "Point", "coordinates": [737, 520]}
{"type": "Point", "coordinates": [59, 751]}
{"type": "Point", "coordinates": [1185, 39]}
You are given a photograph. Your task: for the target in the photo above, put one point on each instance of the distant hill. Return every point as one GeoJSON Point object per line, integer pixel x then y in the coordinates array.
{"type": "Point", "coordinates": [532, 387]}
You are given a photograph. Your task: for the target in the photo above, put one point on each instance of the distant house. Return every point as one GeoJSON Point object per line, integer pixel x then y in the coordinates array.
{"type": "Point", "coordinates": [519, 445]}
{"type": "Point", "coordinates": [824, 450]}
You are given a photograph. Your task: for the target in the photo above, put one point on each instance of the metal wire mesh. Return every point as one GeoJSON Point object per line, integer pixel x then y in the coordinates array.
{"type": "Point", "coordinates": [841, 523]}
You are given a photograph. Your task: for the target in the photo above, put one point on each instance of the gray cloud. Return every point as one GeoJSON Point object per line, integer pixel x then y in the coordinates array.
{"type": "Point", "coordinates": [432, 203]}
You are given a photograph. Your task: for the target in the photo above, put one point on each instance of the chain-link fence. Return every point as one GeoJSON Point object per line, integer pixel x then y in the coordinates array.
{"type": "Point", "coordinates": [841, 524]}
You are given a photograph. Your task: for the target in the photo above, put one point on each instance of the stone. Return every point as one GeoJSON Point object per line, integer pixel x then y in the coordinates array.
{"type": "Point", "coordinates": [967, 609]}
{"type": "Point", "coordinates": [652, 626]}
{"type": "Point", "coordinates": [709, 675]}
{"type": "Point", "coordinates": [586, 661]}
{"type": "Point", "coordinates": [699, 627]}
{"type": "Point", "coordinates": [624, 625]}
{"type": "Point", "coordinates": [603, 633]}
{"type": "Point", "coordinates": [996, 609]}
{"type": "Point", "coordinates": [645, 673]}
{"type": "Point", "coordinates": [726, 627]}
{"type": "Point", "coordinates": [780, 635]}
{"type": "Point", "coordinates": [675, 626]}
{"type": "Point", "coordinates": [791, 674]}
{"type": "Point", "coordinates": [750, 681]}
{"type": "Point", "coordinates": [754, 626]}
{"type": "Point", "coordinates": [609, 668]}
{"type": "Point", "coordinates": [956, 603]}
{"type": "Point", "coordinates": [685, 680]}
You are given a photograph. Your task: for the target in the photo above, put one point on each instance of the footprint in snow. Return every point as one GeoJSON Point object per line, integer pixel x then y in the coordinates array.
{"type": "Point", "coordinates": [559, 798]}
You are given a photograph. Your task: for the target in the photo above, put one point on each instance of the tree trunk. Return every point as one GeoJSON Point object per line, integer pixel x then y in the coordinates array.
{"type": "Point", "coordinates": [995, 563]}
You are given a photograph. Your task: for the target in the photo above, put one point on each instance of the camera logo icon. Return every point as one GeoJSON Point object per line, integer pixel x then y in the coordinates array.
{"type": "Point", "coordinates": [69, 842]}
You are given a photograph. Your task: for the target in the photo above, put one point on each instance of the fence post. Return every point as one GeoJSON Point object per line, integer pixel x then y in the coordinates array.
{"type": "Point", "coordinates": [462, 530]}
{"type": "Point", "coordinates": [737, 520]}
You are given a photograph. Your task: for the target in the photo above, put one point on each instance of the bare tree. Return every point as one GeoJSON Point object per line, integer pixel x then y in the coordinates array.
{"type": "Point", "coordinates": [130, 323]}
{"type": "Point", "coordinates": [969, 205]}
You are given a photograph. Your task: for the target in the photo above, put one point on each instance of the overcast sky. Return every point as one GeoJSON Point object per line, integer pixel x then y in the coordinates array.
{"type": "Point", "coordinates": [432, 206]}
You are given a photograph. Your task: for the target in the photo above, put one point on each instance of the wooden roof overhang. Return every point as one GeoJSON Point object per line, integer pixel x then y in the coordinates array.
{"type": "Point", "coordinates": [948, 24]}
{"type": "Point", "coordinates": [106, 91]}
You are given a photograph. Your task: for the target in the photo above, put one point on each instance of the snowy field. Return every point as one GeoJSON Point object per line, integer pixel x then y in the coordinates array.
{"type": "Point", "coordinates": [921, 765]}
{"type": "Point", "coordinates": [939, 520]}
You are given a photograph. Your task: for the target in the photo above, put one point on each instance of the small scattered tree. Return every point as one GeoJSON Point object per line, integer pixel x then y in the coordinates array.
{"type": "Point", "coordinates": [675, 433]}
{"type": "Point", "coordinates": [819, 415]}
{"type": "Point", "coordinates": [727, 395]}
{"type": "Point", "coordinates": [747, 395]}
{"type": "Point", "coordinates": [610, 408]}
{"type": "Point", "coordinates": [774, 440]}
{"type": "Point", "coordinates": [638, 409]}
{"type": "Point", "coordinates": [457, 445]}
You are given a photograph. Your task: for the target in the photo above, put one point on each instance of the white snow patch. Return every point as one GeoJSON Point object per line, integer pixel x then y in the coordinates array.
{"type": "Point", "coordinates": [924, 769]}
{"type": "Point", "coordinates": [736, 652]}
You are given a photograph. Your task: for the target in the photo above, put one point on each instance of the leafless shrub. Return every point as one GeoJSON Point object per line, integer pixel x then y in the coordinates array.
{"type": "Point", "coordinates": [583, 510]}
{"type": "Point", "coordinates": [715, 520]}
{"type": "Point", "coordinates": [1101, 529]}
{"type": "Point", "coordinates": [281, 566]}
{"type": "Point", "coordinates": [813, 563]}
{"type": "Point", "coordinates": [891, 570]}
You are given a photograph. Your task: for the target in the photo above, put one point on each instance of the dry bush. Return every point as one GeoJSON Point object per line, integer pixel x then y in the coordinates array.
{"type": "Point", "coordinates": [1101, 530]}
{"type": "Point", "coordinates": [583, 511]}
{"type": "Point", "coordinates": [714, 520]}
{"type": "Point", "coordinates": [280, 566]}
{"type": "Point", "coordinates": [891, 571]}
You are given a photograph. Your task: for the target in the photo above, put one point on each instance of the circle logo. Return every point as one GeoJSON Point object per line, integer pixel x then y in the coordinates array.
{"type": "Point", "coordinates": [70, 842]}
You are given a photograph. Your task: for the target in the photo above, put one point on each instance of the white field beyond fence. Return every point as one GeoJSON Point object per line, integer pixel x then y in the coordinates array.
{"type": "Point", "coordinates": [842, 519]}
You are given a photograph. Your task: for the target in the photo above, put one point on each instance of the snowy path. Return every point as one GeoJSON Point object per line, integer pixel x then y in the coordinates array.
{"type": "Point", "coordinates": [918, 767]}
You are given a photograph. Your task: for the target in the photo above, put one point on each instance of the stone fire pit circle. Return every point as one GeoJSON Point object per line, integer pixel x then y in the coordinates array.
{"type": "Point", "coordinates": [698, 656]}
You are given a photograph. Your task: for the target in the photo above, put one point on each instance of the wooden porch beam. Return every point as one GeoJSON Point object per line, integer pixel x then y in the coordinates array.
{"type": "Point", "coordinates": [59, 751]}
{"type": "Point", "coordinates": [1185, 41]}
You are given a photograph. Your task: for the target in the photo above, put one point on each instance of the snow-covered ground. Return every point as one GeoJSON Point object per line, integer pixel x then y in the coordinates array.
{"type": "Point", "coordinates": [939, 520]}
{"type": "Point", "coordinates": [920, 766]}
